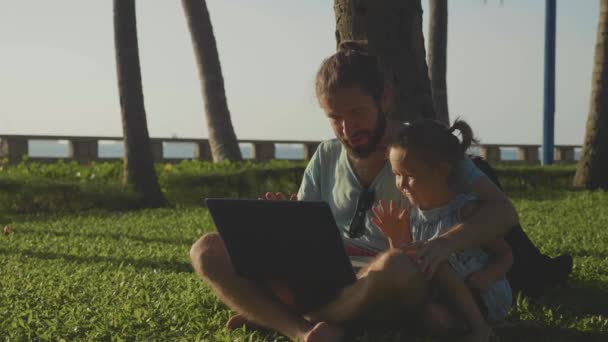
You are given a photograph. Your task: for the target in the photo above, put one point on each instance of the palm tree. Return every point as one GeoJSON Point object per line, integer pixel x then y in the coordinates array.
{"type": "Point", "coordinates": [222, 138]}
{"type": "Point", "coordinates": [393, 29]}
{"type": "Point", "coordinates": [138, 164]}
{"type": "Point", "coordinates": [592, 170]}
{"type": "Point", "coordinates": [437, 57]}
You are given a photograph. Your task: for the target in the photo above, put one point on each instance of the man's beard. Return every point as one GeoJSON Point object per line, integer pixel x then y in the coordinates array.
{"type": "Point", "coordinates": [374, 140]}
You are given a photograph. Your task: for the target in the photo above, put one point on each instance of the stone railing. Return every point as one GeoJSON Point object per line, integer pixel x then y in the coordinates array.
{"type": "Point", "coordinates": [86, 149]}
{"type": "Point", "coordinates": [528, 154]}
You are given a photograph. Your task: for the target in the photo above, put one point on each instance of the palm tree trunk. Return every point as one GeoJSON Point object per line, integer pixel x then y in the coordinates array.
{"type": "Point", "coordinates": [222, 138]}
{"type": "Point", "coordinates": [437, 58]}
{"type": "Point", "coordinates": [138, 164]}
{"type": "Point", "coordinates": [393, 29]}
{"type": "Point", "coordinates": [592, 170]}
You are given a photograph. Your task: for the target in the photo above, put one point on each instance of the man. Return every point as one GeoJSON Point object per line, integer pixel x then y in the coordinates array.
{"type": "Point", "coordinates": [349, 173]}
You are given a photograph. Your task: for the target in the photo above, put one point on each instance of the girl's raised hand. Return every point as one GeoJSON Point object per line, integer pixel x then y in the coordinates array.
{"type": "Point", "coordinates": [393, 222]}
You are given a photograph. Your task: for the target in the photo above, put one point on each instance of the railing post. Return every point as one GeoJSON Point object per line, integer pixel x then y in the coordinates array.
{"type": "Point", "coordinates": [263, 151]}
{"type": "Point", "coordinates": [528, 154]}
{"type": "Point", "coordinates": [309, 150]}
{"type": "Point", "coordinates": [83, 150]}
{"type": "Point", "coordinates": [14, 149]}
{"type": "Point", "coordinates": [490, 153]}
{"type": "Point", "coordinates": [549, 88]}
{"type": "Point", "coordinates": [564, 153]}
{"type": "Point", "coordinates": [202, 151]}
{"type": "Point", "coordinates": [157, 150]}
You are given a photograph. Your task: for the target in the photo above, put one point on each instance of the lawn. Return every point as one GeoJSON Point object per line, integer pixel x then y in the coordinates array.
{"type": "Point", "coordinates": [125, 276]}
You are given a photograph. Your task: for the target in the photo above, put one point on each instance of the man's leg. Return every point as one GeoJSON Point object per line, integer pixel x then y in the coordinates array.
{"type": "Point", "coordinates": [390, 285]}
{"type": "Point", "coordinates": [212, 263]}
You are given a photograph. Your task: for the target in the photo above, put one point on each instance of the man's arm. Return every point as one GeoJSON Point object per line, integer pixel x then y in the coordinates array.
{"type": "Point", "coordinates": [494, 217]}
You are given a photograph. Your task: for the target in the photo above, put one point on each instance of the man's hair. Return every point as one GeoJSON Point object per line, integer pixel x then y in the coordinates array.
{"type": "Point", "coordinates": [352, 65]}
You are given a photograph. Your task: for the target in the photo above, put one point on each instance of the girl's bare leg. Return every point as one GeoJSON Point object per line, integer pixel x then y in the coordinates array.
{"type": "Point", "coordinates": [461, 297]}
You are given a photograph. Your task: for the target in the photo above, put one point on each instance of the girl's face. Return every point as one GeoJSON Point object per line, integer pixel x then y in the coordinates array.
{"type": "Point", "coordinates": [418, 181]}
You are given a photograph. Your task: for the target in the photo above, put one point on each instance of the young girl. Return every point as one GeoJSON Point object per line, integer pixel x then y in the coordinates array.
{"type": "Point", "coordinates": [424, 159]}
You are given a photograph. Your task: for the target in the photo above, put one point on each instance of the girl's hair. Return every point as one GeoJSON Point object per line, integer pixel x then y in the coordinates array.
{"type": "Point", "coordinates": [434, 142]}
{"type": "Point", "coordinates": [351, 65]}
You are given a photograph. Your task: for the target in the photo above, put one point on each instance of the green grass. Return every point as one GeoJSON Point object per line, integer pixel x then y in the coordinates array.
{"type": "Point", "coordinates": [34, 187]}
{"type": "Point", "coordinates": [125, 276]}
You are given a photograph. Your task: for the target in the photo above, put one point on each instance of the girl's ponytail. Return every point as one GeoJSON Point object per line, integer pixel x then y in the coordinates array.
{"type": "Point", "coordinates": [466, 134]}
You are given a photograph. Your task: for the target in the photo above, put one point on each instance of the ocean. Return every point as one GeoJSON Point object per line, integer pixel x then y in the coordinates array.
{"type": "Point", "coordinates": [109, 149]}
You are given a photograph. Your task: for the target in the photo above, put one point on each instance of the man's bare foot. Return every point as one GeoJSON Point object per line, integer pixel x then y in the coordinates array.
{"type": "Point", "coordinates": [323, 332]}
{"type": "Point", "coordinates": [238, 321]}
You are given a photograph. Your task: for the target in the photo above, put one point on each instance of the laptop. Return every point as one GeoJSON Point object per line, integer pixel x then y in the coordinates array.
{"type": "Point", "coordinates": [295, 242]}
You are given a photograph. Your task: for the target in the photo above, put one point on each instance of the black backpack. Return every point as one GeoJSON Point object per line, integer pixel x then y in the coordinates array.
{"type": "Point", "coordinates": [487, 169]}
{"type": "Point", "coordinates": [532, 272]}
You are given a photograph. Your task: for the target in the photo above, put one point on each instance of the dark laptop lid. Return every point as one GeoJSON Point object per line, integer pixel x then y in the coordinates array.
{"type": "Point", "coordinates": [293, 241]}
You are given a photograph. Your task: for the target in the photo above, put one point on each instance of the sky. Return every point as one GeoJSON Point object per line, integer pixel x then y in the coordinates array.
{"type": "Point", "coordinates": [58, 71]}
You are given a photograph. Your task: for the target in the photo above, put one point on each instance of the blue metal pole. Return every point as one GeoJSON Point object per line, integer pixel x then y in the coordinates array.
{"type": "Point", "coordinates": [549, 96]}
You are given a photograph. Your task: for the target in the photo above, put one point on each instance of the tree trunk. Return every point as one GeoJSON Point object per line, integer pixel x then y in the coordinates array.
{"type": "Point", "coordinates": [437, 58]}
{"type": "Point", "coordinates": [393, 29]}
{"type": "Point", "coordinates": [592, 170]}
{"type": "Point", "coordinates": [222, 138]}
{"type": "Point", "coordinates": [138, 164]}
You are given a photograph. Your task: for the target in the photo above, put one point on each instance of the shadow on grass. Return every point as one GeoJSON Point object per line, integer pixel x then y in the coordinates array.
{"type": "Point", "coordinates": [172, 266]}
{"type": "Point", "coordinates": [510, 332]}
{"type": "Point", "coordinates": [114, 236]}
{"type": "Point", "coordinates": [525, 331]}
{"type": "Point", "coordinates": [578, 297]}
{"type": "Point", "coordinates": [517, 331]}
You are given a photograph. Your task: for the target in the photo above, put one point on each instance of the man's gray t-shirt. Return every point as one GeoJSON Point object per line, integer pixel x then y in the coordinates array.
{"type": "Point", "coordinates": [330, 178]}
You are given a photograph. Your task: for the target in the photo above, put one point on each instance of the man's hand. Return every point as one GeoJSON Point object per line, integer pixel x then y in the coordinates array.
{"type": "Point", "coordinates": [393, 223]}
{"type": "Point", "coordinates": [430, 254]}
{"type": "Point", "coordinates": [278, 196]}
{"type": "Point", "coordinates": [479, 280]}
